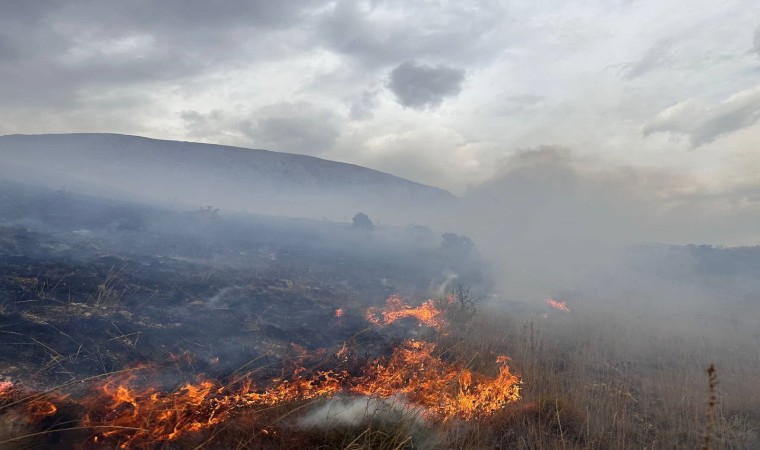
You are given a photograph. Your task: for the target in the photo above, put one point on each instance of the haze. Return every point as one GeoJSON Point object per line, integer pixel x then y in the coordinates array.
{"type": "Point", "coordinates": [242, 181]}
{"type": "Point", "coordinates": [442, 93]}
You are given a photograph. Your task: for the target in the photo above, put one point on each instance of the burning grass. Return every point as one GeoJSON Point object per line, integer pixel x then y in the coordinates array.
{"type": "Point", "coordinates": [428, 313]}
{"type": "Point", "coordinates": [127, 411]}
{"type": "Point", "coordinates": [589, 383]}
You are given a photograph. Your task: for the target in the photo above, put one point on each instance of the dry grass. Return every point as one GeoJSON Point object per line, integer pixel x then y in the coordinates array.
{"type": "Point", "coordinates": [589, 382]}
{"type": "Point", "coordinates": [618, 384]}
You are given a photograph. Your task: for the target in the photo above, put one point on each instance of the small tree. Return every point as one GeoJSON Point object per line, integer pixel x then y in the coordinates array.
{"type": "Point", "coordinates": [420, 234]}
{"type": "Point", "coordinates": [462, 305]}
{"type": "Point", "coordinates": [362, 221]}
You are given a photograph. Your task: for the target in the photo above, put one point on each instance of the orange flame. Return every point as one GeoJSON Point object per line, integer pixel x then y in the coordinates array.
{"type": "Point", "coordinates": [558, 304]}
{"type": "Point", "coordinates": [5, 387]}
{"type": "Point", "coordinates": [395, 308]}
{"type": "Point", "coordinates": [35, 409]}
{"type": "Point", "coordinates": [443, 389]}
{"type": "Point", "coordinates": [39, 409]}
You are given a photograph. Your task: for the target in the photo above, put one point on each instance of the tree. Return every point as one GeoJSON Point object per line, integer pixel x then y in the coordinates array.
{"type": "Point", "coordinates": [457, 244]}
{"type": "Point", "coordinates": [460, 306]}
{"type": "Point", "coordinates": [362, 221]}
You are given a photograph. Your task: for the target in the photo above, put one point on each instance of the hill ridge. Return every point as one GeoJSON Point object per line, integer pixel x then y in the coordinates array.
{"type": "Point", "coordinates": [194, 173]}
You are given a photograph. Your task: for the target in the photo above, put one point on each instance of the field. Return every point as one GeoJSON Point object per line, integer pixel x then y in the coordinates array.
{"type": "Point", "coordinates": [127, 325]}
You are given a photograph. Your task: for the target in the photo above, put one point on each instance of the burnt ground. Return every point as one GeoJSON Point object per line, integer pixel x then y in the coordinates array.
{"type": "Point", "coordinates": [89, 286]}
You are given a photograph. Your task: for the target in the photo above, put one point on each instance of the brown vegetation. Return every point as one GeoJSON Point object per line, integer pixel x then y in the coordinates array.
{"type": "Point", "coordinates": [588, 383]}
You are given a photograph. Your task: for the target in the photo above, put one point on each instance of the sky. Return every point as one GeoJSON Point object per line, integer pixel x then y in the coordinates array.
{"type": "Point", "coordinates": [447, 93]}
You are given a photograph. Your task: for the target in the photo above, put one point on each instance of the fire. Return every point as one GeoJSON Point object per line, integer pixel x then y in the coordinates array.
{"type": "Point", "coordinates": [5, 386]}
{"type": "Point", "coordinates": [148, 415]}
{"type": "Point", "coordinates": [39, 409]}
{"type": "Point", "coordinates": [395, 308]}
{"type": "Point", "coordinates": [339, 312]}
{"type": "Point", "coordinates": [343, 353]}
{"type": "Point", "coordinates": [445, 390]}
{"type": "Point", "coordinates": [152, 415]}
{"type": "Point", "coordinates": [35, 409]}
{"type": "Point", "coordinates": [127, 414]}
{"type": "Point", "coordinates": [557, 304]}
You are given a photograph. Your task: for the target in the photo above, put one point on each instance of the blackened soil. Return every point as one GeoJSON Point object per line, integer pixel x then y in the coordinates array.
{"type": "Point", "coordinates": [89, 286]}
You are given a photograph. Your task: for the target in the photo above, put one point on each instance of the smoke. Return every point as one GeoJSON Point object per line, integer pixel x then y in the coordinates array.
{"type": "Point", "coordinates": [548, 193]}
{"type": "Point", "coordinates": [391, 415]}
{"type": "Point", "coordinates": [215, 300]}
{"type": "Point", "coordinates": [12, 426]}
{"type": "Point", "coordinates": [554, 223]}
{"type": "Point", "coordinates": [354, 412]}
{"type": "Point", "coordinates": [442, 287]}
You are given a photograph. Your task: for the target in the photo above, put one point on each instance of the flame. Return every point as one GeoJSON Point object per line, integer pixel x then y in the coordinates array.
{"type": "Point", "coordinates": [5, 387]}
{"type": "Point", "coordinates": [443, 390]}
{"type": "Point", "coordinates": [395, 308]}
{"type": "Point", "coordinates": [148, 415]}
{"type": "Point", "coordinates": [36, 409]}
{"type": "Point", "coordinates": [557, 304]}
{"type": "Point", "coordinates": [339, 313]}
{"type": "Point", "coordinates": [39, 409]}
{"type": "Point", "coordinates": [343, 353]}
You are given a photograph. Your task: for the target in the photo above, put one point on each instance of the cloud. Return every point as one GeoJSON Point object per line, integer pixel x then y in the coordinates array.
{"type": "Point", "coordinates": [293, 127]}
{"type": "Point", "coordinates": [756, 41]}
{"type": "Point", "coordinates": [425, 154]}
{"type": "Point", "coordinates": [421, 86]}
{"type": "Point", "coordinates": [378, 34]}
{"type": "Point", "coordinates": [657, 55]}
{"type": "Point", "coordinates": [703, 123]}
{"type": "Point", "coordinates": [535, 73]}
{"type": "Point", "coordinates": [199, 125]}
{"type": "Point", "coordinates": [362, 108]}
{"type": "Point", "coordinates": [58, 54]}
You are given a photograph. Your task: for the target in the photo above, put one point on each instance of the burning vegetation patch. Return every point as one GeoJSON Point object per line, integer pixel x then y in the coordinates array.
{"type": "Point", "coordinates": [559, 305]}
{"type": "Point", "coordinates": [127, 410]}
{"type": "Point", "coordinates": [395, 308]}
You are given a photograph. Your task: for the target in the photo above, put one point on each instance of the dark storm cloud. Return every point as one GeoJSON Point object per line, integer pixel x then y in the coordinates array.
{"type": "Point", "coordinates": [288, 127]}
{"type": "Point", "coordinates": [421, 86]}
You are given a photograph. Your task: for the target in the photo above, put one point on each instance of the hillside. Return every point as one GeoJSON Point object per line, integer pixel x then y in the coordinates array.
{"type": "Point", "coordinates": [194, 174]}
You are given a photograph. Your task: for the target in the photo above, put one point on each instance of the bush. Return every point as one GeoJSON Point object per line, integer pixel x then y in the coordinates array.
{"type": "Point", "coordinates": [362, 221]}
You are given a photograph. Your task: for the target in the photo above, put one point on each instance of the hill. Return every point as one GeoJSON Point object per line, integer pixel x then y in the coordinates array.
{"type": "Point", "coordinates": [194, 174]}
